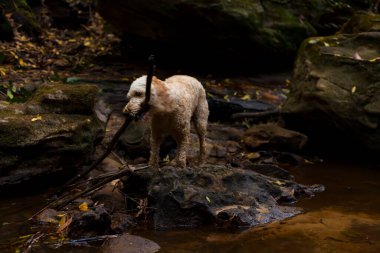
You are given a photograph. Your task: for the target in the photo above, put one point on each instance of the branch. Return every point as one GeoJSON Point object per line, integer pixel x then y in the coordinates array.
{"type": "Point", "coordinates": [254, 114]}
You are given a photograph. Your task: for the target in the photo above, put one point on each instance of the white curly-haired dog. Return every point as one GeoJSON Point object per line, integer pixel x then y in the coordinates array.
{"type": "Point", "coordinates": [174, 103]}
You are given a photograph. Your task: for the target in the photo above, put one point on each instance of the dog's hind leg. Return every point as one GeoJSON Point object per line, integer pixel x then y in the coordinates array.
{"type": "Point", "coordinates": [200, 122]}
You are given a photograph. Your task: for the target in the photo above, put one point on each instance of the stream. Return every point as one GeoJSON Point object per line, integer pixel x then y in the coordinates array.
{"type": "Point", "coordinates": [344, 218]}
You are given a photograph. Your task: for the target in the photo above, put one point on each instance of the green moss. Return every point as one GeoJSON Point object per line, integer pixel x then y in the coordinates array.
{"type": "Point", "coordinates": [73, 99]}
{"type": "Point", "coordinates": [28, 130]}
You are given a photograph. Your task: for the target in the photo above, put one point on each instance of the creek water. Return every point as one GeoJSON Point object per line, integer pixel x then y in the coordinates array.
{"type": "Point", "coordinates": [344, 218]}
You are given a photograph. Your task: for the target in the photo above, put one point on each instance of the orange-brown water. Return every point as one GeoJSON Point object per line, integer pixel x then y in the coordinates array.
{"type": "Point", "coordinates": [344, 218]}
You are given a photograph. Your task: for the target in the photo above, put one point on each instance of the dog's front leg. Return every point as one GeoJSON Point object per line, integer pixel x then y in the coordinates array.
{"type": "Point", "coordinates": [155, 142]}
{"type": "Point", "coordinates": [182, 140]}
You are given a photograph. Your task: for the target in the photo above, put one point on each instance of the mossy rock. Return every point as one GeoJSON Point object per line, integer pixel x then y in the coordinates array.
{"type": "Point", "coordinates": [53, 132]}
{"type": "Point", "coordinates": [242, 31]}
{"type": "Point", "coordinates": [64, 99]}
{"type": "Point", "coordinates": [336, 85]}
{"type": "Point", "coordinates": [362, 22]}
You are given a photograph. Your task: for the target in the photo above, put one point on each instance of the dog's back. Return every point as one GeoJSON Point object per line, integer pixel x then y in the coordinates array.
{"type": "Point", "coordinates": [186, 90]}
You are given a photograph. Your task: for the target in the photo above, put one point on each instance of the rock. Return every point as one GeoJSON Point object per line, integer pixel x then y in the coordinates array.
{"type": "Point", "coordinates": [89, 223]}
{"type": "Point", "coordinates": [213, 194]}
{"type": "Point", "coordinates": [218, 151]}
{"type": "Point", "coordinates": [47, 135]}
{"type": "Point", "coordinates": [222, 110]}
{"type": "Point", "coordinates": [336, 89]}
{"type": "Point", "coordinates": [127, 243]}
{"type": "Point", "coordinates": [270, 170]}
{"type": "Point", "coordinates": [23, 15]}
{"type": "Point", "coordinates": [271, 135]}
{"type": "Point", "coordinates": [110, 196]}
{"type": "Point", "coordinates": [245, 32]}
{"type": "Point", "coordinates": [121, 222]}
{"type": "Point", "coordinates": [48, 216]}
{"type": "Point", "coordinates": [63, 99]}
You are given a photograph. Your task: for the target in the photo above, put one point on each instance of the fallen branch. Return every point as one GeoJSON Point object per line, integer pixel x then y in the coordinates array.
{"type": "Point", "coordinates": [32, 240]}
{"type": "Point", "coordinates": [113, 142]}
{"type": "Point", "coordinates": [118, 175]}
{"type": "Point", "coordinates": [255, 114]}
{"type": "Point", "coordinates": [82, 241]}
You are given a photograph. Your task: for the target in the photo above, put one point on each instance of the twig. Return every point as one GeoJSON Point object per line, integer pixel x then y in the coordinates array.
{"type": "Point", "coordinates": [88, 239]}
{"type": "Point", "coordinates": [32, 240]}
{"type": "Point", "coordinates": [120, 174]}
{"type": "Point", "coordinates": [255, 114]}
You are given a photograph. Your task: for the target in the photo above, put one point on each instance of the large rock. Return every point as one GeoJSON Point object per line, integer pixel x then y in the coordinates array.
{"type": "Point", "coordinates": [53, 132]}
{"type": "Point", "coordinates": [336, 85]}
{"type": "Point", "coordinates": [237, 31]}
{"type": "Point", "coordinates": [214, 194]}
{"type": "Point", "coordinates": [272, 136]}
{"type": "Point", "coordinates": [127, 243]}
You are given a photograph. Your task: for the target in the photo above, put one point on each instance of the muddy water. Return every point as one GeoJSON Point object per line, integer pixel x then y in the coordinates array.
{"type": "Point", "coordinates": [345, 218]}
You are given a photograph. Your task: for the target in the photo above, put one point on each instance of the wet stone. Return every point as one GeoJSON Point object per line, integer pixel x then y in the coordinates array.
{"type": "Point", "coordinates": [121, 222]}
{"type": "Point", "coordinates": [215, 194]}
{"type": "Point", "coordinates": [127, 243]}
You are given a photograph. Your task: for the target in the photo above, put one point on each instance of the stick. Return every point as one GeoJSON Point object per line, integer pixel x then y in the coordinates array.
{"type": "Point", "coordinates": [120, 174]}
{"type": "Point", "coordinates": [254, 114]}
{"type": "Point", "coordinates": [119, 132]}
{"type": "Point", "coordinates": [149, 79]}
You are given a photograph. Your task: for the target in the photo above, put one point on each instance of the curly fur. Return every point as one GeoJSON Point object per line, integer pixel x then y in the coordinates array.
{"type": "Point", "coordinates": [174, 103]}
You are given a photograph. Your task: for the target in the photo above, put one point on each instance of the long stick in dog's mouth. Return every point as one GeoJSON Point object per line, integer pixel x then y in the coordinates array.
{"type": "Point", "coordinates": [149, 80]}
{"type": "Point", "coordinates": [148, 88]}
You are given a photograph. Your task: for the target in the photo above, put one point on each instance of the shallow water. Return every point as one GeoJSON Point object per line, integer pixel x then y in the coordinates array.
{"type": "Point", "coordinates": [344, 218]}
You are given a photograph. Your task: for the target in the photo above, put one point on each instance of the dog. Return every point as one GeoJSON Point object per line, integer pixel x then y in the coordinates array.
{"type": "Point", "coordinates": [173, 104]}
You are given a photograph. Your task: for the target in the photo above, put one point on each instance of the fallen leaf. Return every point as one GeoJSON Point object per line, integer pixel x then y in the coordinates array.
{"type": "Point", "coordinates": [21, 62]}
{"type": "Point", "coordinates": [64, 225]}
{"type": "Point", "coordinates": [166, 160]}
{"type": "Point", "coordinates": [312, 41]}
{"type": "Point", "coordinates": [10, 94]}
{"type": "Point", "coordinates": [3, 72]}
{"type": "Point", "coordinates": [246, 97]}
{"type": "Point", "coordinates": [374, 59]}
{"type": "Point", "coordinates": [353, 90]}
{"type": "Point", "coordinates": [253, 155]}
{"type": "Point", "coordinates": [226, 97]}
{"type": "Point", "coordinates": [83, 207]}
{"type": "Point", "coordinates": [87, 43]}
{"type": "Point", "coordinates": [278, 182]}
{"type": "Point", "coordinates": [208, 199]}
{"type": "Point", "coordinates": [38, 117]}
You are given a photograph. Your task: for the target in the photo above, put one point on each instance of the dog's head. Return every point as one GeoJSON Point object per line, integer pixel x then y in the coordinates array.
{"type": "Point", "coordinates": [136, 96]}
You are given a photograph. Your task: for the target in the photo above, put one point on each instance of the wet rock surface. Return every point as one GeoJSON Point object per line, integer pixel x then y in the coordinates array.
{"type": "Point", "coordinates": [335, 87]}
{"type": "Point", "coordinates": [215, 195]}
{"type": "Point", "coordinates": [127, 243]}
{"type": "Point", "coordinates": [272, 136]}
{"type": "Point", "coordinates": [55, 131]}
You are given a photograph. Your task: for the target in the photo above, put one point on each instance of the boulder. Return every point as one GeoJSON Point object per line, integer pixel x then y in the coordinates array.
{"type": "Point", "coordinates": [273, 136]}
{"type": "Point", "coordinates": [214, 194]}
{"type": "Point", "coordinates": [236, 31]}
{"type": "Point", "coordinates": [127, 243]}
{"type": "Point", "coordinates": [335, 90]}
{"type": "Point", "coordinates": [53, 132]}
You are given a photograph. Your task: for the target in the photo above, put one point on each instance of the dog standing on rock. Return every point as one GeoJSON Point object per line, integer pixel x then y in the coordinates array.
{"type": "Point", "coordinates": [173, 104]}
